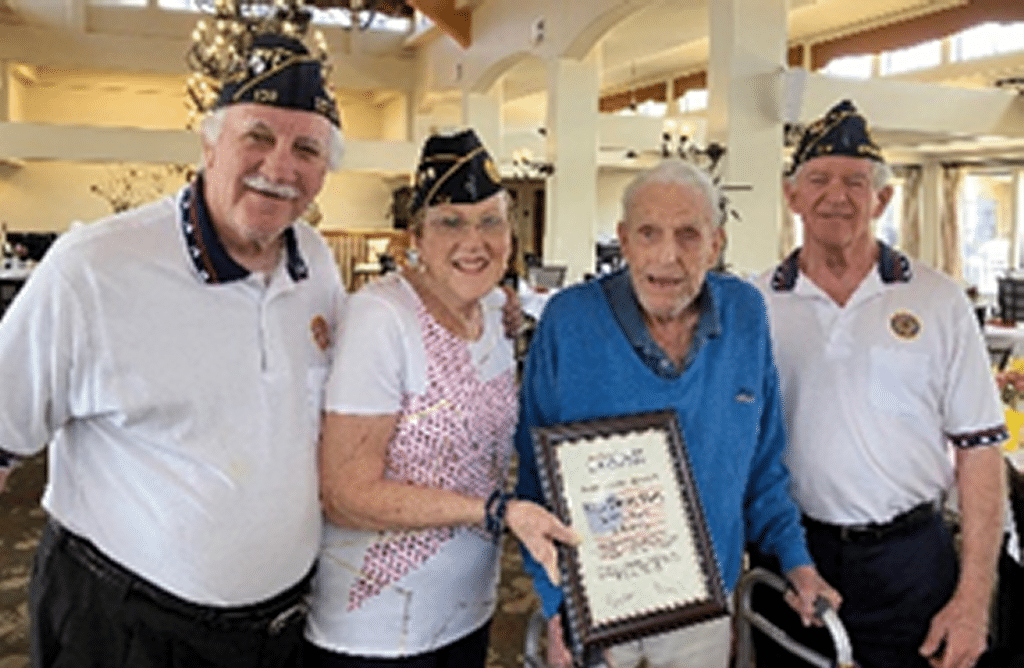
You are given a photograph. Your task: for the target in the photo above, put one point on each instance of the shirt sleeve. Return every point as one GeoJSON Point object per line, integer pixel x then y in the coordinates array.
{"type": "Point", "coordinates": [44, 353]}
{"type": "Point", "coordinates": [972, 411]}
{"type": "Point", "coordinates": [368, 372]}
{"type": "Point", "coordinates": [538, 407]}
{"type": "Point", "coordinates": [772, 517]}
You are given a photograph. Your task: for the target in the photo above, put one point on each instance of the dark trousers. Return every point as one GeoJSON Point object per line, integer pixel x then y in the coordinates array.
{"type": "Point", "coordinates": [891, 590]}
{"type": "Point", "coordinates": [467, 652]}
{"type": "Point", "coordinates": [89, 612]}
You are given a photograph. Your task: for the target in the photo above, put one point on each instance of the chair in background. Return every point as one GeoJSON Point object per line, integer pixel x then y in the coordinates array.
{"type": "Point", "coordinates": [1010, 298]}
{"type": "Point", "coordinates": [607, 257]}
{"type": "Point", "coordinates": [363, 254]}
{"type": "Point", "coordinates": [9, 288]}
{"type": "Point", "coordinates": [999, 356]}
{"type": "Point", "coordinates": [546, 277]}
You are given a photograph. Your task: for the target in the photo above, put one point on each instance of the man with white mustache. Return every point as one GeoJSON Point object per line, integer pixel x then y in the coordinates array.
{"type": "Point", "coordinates": [668, 333]}
{"type": "Point", "coordinates": [889, 403]}
{"type": "Point", "coordinates": [174, 356]}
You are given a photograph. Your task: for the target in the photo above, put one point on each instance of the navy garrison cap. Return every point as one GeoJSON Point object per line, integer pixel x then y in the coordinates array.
{"type": "Point", "coordinates": [454, 169]}
{"type": "Point", "coordinates": [279, 71]}
{"type": "Point", "coordinates": [842, 131]}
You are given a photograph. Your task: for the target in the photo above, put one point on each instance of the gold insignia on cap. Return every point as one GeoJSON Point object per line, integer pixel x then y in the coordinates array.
{"type": "Point", "coordinates": [321, 332]}
{"type": "Point", "coordinates": [264, 95]}
{"type": "Point", "coordinates": [905, 325]}
{"type": "Point", "coordinates": [492, 171]}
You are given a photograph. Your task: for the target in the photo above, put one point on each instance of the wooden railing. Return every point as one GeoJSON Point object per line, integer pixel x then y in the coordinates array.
{"type": "Point", "coordinates": [355, 252]}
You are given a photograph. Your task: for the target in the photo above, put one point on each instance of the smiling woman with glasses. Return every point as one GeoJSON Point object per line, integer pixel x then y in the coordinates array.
{"type": "Point", "coordinates": [417, 438]}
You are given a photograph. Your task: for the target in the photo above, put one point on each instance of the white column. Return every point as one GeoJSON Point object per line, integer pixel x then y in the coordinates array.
{"type": "Point", "coordinates": [570, 216]}
{"type": "Point", "coordinates": [5, 92]}
{"type": "Point", "coordinates": [748, 52]}
{"type": "Point", "coordinates": [931, 203]}
{"type": "Point", "coordinates": [482, 112]}
{"type": "Point", "coordinates": [411, 109]}
{"type": "Point", "coordinates": [1017, 219]}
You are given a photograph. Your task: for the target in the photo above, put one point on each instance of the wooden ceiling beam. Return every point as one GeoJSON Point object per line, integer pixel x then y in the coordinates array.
{"type": "Point", "coordinates": [936, 25]}
{"type": "Point", "coordinates": [454, 22]}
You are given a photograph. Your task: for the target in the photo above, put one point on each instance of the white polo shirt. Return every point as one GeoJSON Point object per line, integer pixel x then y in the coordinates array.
{"type": "Point", "coordinates": [183, 413]}
{"type": "Point", "coordinates": [401, 593]}
{"type": "Point", "coordinates": [876, 391]}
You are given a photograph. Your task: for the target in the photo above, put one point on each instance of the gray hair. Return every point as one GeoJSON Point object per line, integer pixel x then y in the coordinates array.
{"type": "Point", "coordinates": [213, 124]}
{"type": "Point", "coordinates": [881, 173]}
{"type": "Point", "coordinates": [674, 171]}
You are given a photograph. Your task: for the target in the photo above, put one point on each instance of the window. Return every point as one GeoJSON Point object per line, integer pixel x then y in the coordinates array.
{"type": "Point", "coordinates": [343, 18]}
{"type": "Point", "coordinates": [987, 39]}
{"type": "Point", "coordinates": [984, 232]}
{"type": "Point", "coordinates": [850, 67]}
{"type": "Point", "coordinates": [917, 57]}
{"type": "Point", "coordinates": [695, 99]}
{"type": "Point", "coordinates": [651, 108]}
{"type": "Point", "coordinates": [887, 226]}
{"type": "Point", "coordinates": [331, 17]}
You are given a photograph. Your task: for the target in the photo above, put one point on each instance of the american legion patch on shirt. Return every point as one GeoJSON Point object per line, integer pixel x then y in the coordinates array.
{"type": "Point", "coordinates": [905, 325]}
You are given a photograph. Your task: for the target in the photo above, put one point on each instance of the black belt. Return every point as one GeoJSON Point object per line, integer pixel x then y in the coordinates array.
{"type": "Point", "coordinates": [874, 532]}
{"type": "Point", "coordinates": [270, 616]}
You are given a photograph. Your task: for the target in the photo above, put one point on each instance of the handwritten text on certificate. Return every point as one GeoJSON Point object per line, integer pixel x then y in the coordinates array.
{"type": "Point", "coordinates": [638, 554]}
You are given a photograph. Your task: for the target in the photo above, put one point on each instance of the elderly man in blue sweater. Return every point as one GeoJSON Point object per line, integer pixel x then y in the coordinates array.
{"type": "Point", "coordinates": [666, 333]}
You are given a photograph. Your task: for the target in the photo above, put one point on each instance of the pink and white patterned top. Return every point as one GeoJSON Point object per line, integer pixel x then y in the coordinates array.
{"type": "Point", "coordinates": [395, 593]}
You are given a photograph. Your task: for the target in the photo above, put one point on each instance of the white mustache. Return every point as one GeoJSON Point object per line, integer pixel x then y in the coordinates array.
{"type": "Point", "coordinates": [263, 184]}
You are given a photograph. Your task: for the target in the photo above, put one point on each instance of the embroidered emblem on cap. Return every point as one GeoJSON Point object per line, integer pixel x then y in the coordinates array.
{"type": "Point", "coordinates": [905, 325]}
{"type": "Point", "coordinates": [842, 131]}
{"type": "Point", "coordinates": [321, 332]}
{"type": "Point", "coordinates": [454, 169]}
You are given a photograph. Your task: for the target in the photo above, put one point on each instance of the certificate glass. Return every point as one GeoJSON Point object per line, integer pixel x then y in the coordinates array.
{"type": "Point", "coordinates": [645, 564]}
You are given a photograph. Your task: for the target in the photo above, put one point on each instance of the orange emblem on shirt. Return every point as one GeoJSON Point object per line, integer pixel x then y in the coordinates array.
{"type": "Point", "coordinates": [321, 331]}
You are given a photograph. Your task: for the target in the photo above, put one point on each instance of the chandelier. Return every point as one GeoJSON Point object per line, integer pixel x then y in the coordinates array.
{"type": "Point", "coordinates": [525, 167]}
{"type": "Point", "coordinates": [707, 158]}
{"type": "Point", "coordinates": [220, 42]}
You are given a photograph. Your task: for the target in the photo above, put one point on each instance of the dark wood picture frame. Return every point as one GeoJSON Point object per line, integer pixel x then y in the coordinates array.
{"type": "Point", "coordinates": [619, 510]}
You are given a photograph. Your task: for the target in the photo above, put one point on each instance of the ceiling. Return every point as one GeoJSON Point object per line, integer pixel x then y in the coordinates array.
{"type": "Point", "coordinates": [662, 40]}
{"type": "Point", "coordinates": [641, 50]}
{"type": "Point", "coordinates": [665, 38]}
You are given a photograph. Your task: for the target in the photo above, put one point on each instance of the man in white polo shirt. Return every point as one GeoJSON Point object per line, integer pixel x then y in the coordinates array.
{"type": "Point", "coordinates": [890, 403]}
{"type": "Point", "coordinates": [173, 357]}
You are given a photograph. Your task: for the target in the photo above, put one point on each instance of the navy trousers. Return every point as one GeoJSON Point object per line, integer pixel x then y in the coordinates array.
{"type": "Point", "coordinates": [891, 590]}
{"type": "Point", "coordinates": [87, 611]}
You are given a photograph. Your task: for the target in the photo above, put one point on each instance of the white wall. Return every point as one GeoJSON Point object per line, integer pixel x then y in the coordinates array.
{"type": "Point", "coordinates": [355, 200]}
{"type": "Point", "coordinates": [48, 196]}
{"type": "Point", "coordinates": [151, 102]}
{"type": "Point", "coordinates": [610, 184]}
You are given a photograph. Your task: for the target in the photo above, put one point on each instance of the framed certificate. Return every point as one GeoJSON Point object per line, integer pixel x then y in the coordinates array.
{"type": "Point", "coordinates": [645, 563]}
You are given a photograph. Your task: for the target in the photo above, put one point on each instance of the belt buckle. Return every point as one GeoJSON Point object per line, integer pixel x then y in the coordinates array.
{"type": "Point", "coordinates": [851, 533]}
{"type": "Point", "coordinates": [281, 620]}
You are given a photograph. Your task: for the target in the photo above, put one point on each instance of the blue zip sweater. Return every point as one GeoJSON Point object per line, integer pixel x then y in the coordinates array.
{"type": "Point", "coordinates": [583, 364]}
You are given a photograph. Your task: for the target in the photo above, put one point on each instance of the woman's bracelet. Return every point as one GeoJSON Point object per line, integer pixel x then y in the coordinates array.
{"type": "Point", "coordinates": [494, 512]}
